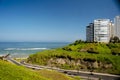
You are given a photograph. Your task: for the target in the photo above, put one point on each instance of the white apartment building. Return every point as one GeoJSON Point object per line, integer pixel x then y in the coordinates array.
{"type": "Point", "coordinates": [102, 30]}
{"type": "Point", "coordinates": [117, 26]}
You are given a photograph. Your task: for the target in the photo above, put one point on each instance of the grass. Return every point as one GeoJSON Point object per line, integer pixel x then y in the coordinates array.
{"type": "Point", "coordinates": [10, 71]}
{"type": "Point", "coordinates": [100, 52]}
{"type": "Point", "coordinates": [53, 75]}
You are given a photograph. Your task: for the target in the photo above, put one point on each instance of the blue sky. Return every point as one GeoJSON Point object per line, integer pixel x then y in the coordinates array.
{"type": "Point", "coordinates": [51, 20]}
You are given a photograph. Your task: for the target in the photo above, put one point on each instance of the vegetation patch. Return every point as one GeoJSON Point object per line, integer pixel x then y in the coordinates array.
{"type": "Point", "coordinates": [53, 75]}
{"type": "Point", "coordinates": [10, 71]}
{"type": "Point", "coordinates": [99, 57]}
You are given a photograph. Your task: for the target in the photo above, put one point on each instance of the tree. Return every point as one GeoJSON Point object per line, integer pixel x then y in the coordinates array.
{"type": "Point", "coordinates": [78, 42]}
{"type": "Point", "coordinates": [111, 40]}
{"type": "Point", "coordinates": [115, 39]}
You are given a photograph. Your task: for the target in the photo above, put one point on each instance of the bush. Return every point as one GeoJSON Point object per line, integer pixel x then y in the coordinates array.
{"type": "Point", "coordinates": [92, 50]}
{"type": "Point", "coordinates": [67, 49]}
{"type": "Point", "coordinates": [115, 51]}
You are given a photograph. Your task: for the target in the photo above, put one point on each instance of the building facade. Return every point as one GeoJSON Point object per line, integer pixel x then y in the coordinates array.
{"type": "Point", "coordinates": [102, 30]}
{"type": "Point", "coordinates": [90, 33]}
{"type": "Point", "coordinates": [117, 26]}
{"type": "Point", "coordinates": [111, 30]}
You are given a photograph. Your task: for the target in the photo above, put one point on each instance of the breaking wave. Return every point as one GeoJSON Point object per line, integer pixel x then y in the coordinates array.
{"type": "Point", "coordinates": [25, 49]}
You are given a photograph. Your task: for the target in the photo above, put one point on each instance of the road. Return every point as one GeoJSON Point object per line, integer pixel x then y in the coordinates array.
{"type": "Point", "coordinates": [82, 74]}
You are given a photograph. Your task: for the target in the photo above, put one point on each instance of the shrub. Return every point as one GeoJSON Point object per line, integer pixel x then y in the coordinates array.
{"type": "Point", "coordinates": [115, 51]}
{"type": "Point", "coordinates": [67, 49]}
{"type": "Point", "coordinates": [93, 50]}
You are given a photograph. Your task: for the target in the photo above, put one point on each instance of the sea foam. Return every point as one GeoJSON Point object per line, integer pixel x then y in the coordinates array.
{"type": "Point", "coordinates": [25, 48]}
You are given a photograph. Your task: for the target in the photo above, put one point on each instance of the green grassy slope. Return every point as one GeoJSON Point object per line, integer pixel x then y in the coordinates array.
{"type": "Point", "coordinates": [98, 56]}
{"type": "Point", "coordinates": [53, 75]}
{"type": "Point", "coordinates": [10, 71]}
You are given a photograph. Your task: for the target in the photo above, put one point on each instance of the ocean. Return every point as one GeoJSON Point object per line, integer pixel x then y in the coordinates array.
{"type": "Point", "coordinates": [24, 49]}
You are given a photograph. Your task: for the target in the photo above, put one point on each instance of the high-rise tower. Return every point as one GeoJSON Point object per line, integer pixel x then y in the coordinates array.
{"type": "Point", "coordinates": [90, 33]}
{"type": "Point", "coordinates": [102, 30]}
{"type": "Point", "coordinates": [117, 26]}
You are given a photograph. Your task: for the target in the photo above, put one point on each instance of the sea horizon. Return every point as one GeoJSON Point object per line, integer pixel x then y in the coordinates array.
{"type": "Point", "coordinates": [24, 49]}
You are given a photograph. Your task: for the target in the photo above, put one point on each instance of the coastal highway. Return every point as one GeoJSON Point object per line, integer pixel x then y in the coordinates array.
{"type": "Point", "coordinates": [82, 74]}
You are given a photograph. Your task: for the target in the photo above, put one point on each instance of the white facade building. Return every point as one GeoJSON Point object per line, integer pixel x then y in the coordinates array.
{"type": "Point", "coordinates": [117, 26]}
{"type": "Point", "coordinates": [102, 30]}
